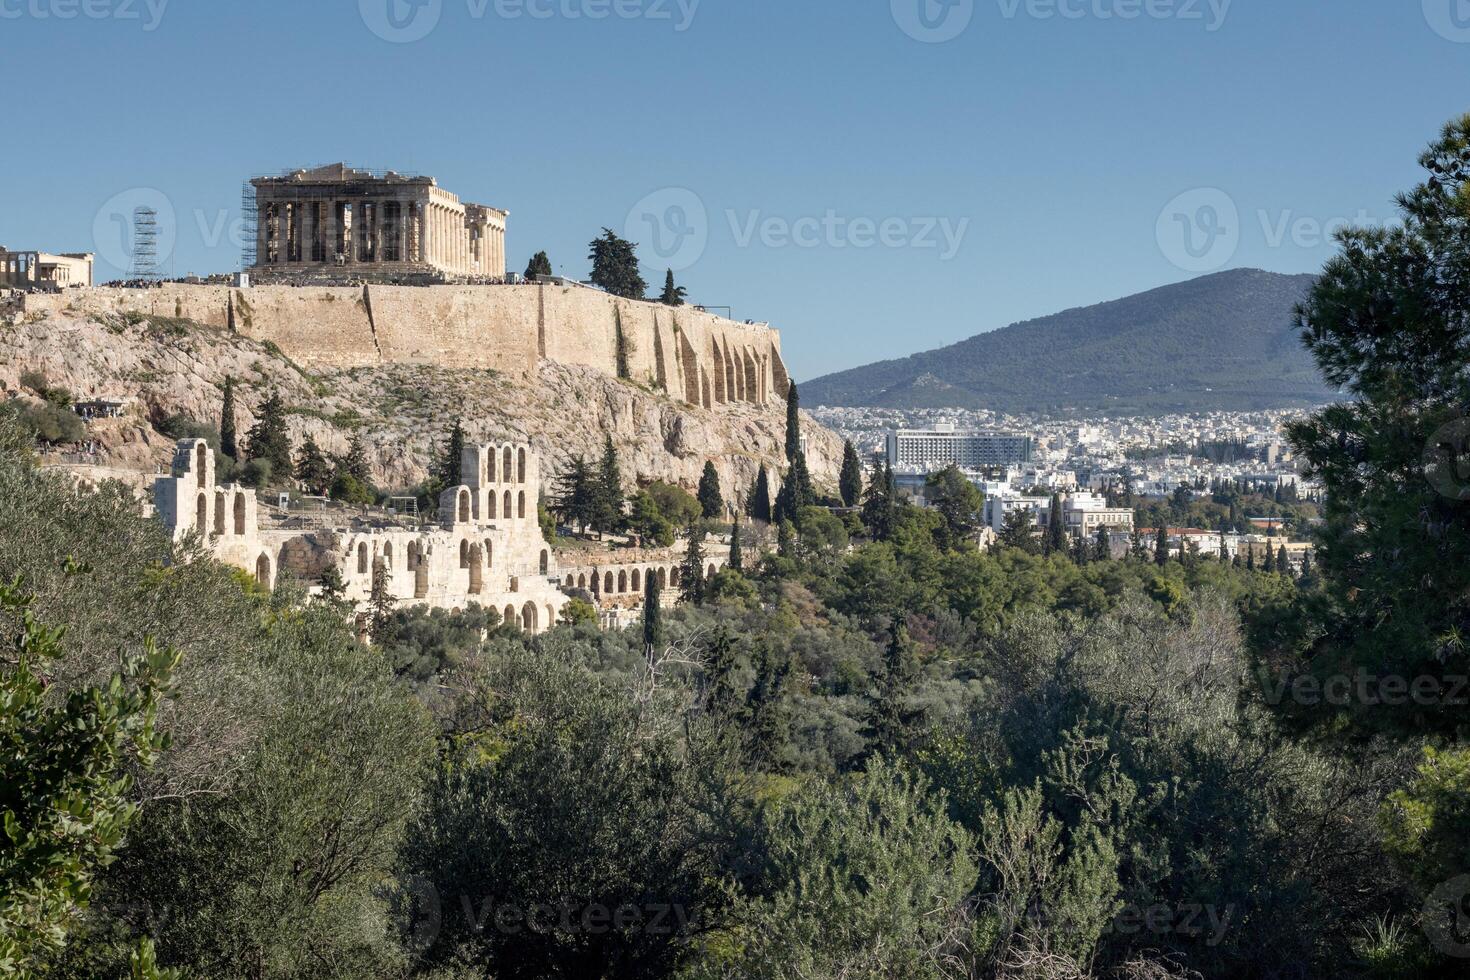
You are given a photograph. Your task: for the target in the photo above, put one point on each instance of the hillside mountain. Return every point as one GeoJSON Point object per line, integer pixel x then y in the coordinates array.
{"type": "Point", "coordinates": [1223, 341]}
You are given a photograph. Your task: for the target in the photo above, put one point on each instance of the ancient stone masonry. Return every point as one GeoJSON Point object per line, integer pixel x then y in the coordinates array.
{"type": "Point", "coordinates": [691, 355]}
{"type": "Point", "coordinates": [487, 548]}
{"type": "Point", "coordinates": [382, 226]}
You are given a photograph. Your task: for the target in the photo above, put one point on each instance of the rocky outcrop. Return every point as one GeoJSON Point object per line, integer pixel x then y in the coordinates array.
{"type": "Point", "coordinates": [167, 366]}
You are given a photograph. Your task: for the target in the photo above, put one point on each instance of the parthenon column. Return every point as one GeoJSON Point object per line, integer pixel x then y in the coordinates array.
{"type": "Point", "coordinates": [262, 234]}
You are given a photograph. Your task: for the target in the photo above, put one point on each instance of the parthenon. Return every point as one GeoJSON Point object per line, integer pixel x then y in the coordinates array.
{"type": "Point", "coordinates": [335, 220]}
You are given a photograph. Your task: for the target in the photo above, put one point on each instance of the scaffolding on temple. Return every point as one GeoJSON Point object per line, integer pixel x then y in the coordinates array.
{"type": "Point", "coordinates": [249, 228]}
{"type": "Point", "coordinates": [145, 243]}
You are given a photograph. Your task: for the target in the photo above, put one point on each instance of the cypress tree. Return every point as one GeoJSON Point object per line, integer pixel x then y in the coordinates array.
{"type": "Point", "coordinates": [672, 295]}
{"type": "Point", "coordinates": [759, 505]}
{"type": "Point", "coordinates": [880, 503]}
{"type": "Point", "coordinates": [608, 494]}
{"type": "Point", "coordinates": [228, 444]}
{"type": "Point", "coordinates": [765, 708]}
{"type": "Point", "coordinates": [1102, 549]}
{"type": "Point", "coordinates": [793, 423]}
{"type": "Point", "coordinates": [449, 470]}
{"type": "Point", "coordinates": [850, 485]}
{"type": "Point", "coordinates": [1161, 545]}
{"type": "Point", "coordinates": [653, 625]}
{"type": "Point", "coordinates": [380, 605]}
{"type": "Point", "coordinates": [711, 501]}
{"type": "Point", "coordinates": [721, 694]}
{"type": "Point", "coordinates": [1283, 563]}
{"type": "Point", "coordinates": [888, 719]}
{"type": "Point", "coordinates": [577, 496]}
{"type": "Point", "coordinates": [737, 552]}
{"type": "Point", "coordinates": [691, 575]}
{"type": "Point", "coordinates": [1056, 529]}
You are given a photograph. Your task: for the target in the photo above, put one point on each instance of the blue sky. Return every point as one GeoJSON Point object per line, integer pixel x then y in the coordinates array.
{"type": "Point", "coordinates": [875, 177]}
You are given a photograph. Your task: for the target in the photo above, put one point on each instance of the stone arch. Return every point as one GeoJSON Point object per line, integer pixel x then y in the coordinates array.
{"type": "Point", "coordinates": [490, 469]}
{"type": "Point", "coordinates": [545, 562]}
{"type": "Point", "coordinates": [387, 554]}
{"type": "Point", "coordinates": [491, 505]}
{"type": "Point", "coordinates": [421, 578]}
{"type": "Point", "coordinates": [636, 583]}
{"type": "Point", "coordinates": [507, 463]}
{"type": "Point", "coordinates": [529, 617]}
{"type": "Point", "coordinates": [515, 583]}
{"type": "Point", "coordinates": [521, 505]}
{"type": "Point", "coordinates": [510, 616]}
{"type": "Point", "coordinates": [219, 513]}
{"type": "Point", "coordinates": [521, 466]}
{"type": "Point", "coordinates": [201, 464]}
{"type": "Point", "coordinates": [201, 514]}
{"type": "Point", "coordinates": [663, 578]}
{"type": "Point", "coordinates": [477, 580]}
{"type": "Point", "coordinates": [710, 573]}
{"type": "Point", "coordinates": [550, 615]}
{"type": "Point", "coordinates": [622, 581]}
{"type": "Point", "coordinates": [464, 506]}
{"type": "Point", "coordinates": [508, 505]}
{"type": "Point", "coordinates": [674, 576]}
{"type": "Point", "coordinates": [489, 554]}
{"type": "Point", "coordinates": [607, 584]}
{"type": "Point", "coordinates": [581, 581]}
{"type": "Point", "coordinates": [464, 552]}
{"type": "Point", "coordinates": [240, 512]}
{"type": "Point", "coordinates": [362, 558]}
{"type": "Point", "coordinates": [571, 581]}
{"type": "Point", "coordinates": [263, 570]}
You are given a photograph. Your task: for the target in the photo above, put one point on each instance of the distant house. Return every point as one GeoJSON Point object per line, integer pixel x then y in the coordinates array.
{"type": "Point", "coordinates": [43, 270]}
{"type": "Point", "coordinates": [101, 408]}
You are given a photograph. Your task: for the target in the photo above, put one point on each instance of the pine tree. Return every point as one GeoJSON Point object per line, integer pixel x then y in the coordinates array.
{"type": "Point", "coordinates": [760, 498]}
{"type": "Point", "coordinates": [448, 469]}
{"type": "Point", "coordinates": [672, 295]}
{"type": "Point", "coordinates": [793, 422]}
{"type": "Point", "coordinates": [577, 498]}
{"type": "Point", "coordinates": [711, 501]}
{"type": "Point", "coordinates": [228, 445]}
{"type": "Point", "coordinates": [268, 439]}
{"type": "Point", "coordinates": [850, 484]}
{"type": "Point", "coordinates": [737, 551]}
{"type": "Point", "coordinates": [615, 266]}
{"type": "Point", "coordinates": [312, 468]}
{"type": "Point", "coordinates": [1161, 545]}
{"type": "Point", "coordinates": [1016, 531]}
{"type": "Point", "coordinates": [1056, 528]}
{"type": "Point", "coordinates": [540, 265]}
{"type": "Point", "coordinates": [609, 491]}
{"type": "Point", "coordinates": [1102, 549]}
{"type": "Point", "coordinates": [691, 572]}
{"type": "Point", "coordinates": [653, 624]}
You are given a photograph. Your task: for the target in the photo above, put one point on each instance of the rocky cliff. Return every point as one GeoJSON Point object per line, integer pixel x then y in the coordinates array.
{"type": "Point", "coordinates": [166, 365]}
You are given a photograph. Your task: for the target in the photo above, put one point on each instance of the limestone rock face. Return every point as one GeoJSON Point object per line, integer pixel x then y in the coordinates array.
{"type": "Point", "coordinates": [401, 411]}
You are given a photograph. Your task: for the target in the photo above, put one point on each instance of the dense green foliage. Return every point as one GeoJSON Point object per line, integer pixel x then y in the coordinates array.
{"type": "Point", "coordinates": [615, 266]}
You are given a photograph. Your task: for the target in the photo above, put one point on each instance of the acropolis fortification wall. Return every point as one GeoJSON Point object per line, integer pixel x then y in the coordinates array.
{"type": "Point", "coordinates": [695, 356]}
